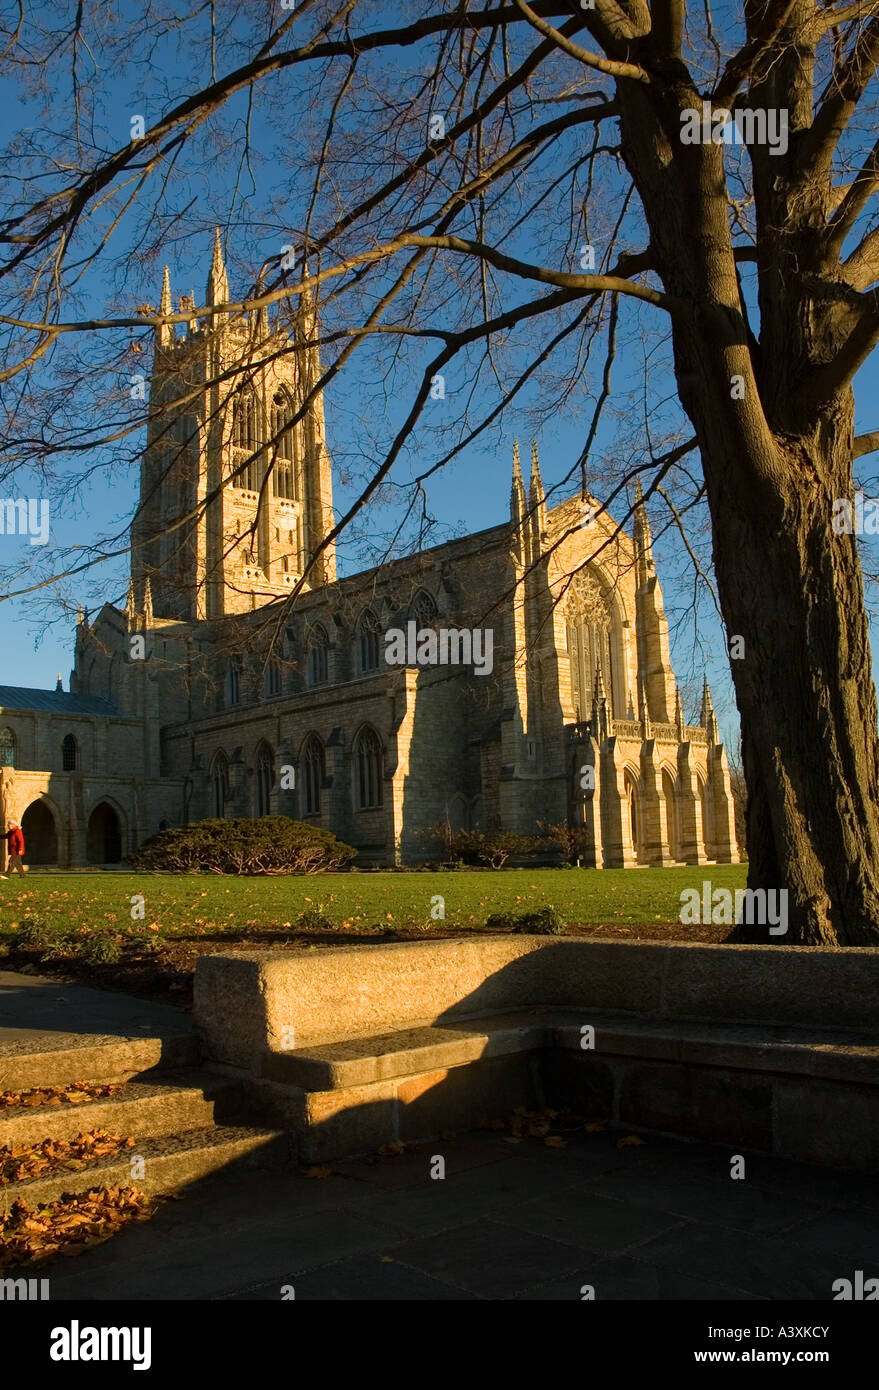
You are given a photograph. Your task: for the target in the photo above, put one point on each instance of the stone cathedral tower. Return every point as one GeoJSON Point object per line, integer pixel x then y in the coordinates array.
{"type": "Point", "coordinates": [235, 491]}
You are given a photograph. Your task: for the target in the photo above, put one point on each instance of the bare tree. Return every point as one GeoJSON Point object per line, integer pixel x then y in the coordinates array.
{"type": "Point", "coordinates": [481, 195]}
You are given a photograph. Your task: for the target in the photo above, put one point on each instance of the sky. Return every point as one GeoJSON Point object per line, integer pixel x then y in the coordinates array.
{"type": "Point", "coordinates": [471, 494]}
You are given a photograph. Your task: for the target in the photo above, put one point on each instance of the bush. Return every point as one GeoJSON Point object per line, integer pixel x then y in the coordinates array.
{"type": "Point", "coordinates": [269, 845]}
{"type": "Point", "coordinates": [572, 840]}
{"type": "Point", "coordinates": [497, 848]}
{"type": "Point", "coordinates": [33, 932]}
{"type": "Point", "coordinates": [544, 922]}
{"type": "Point", "coordinates": [100, 950]}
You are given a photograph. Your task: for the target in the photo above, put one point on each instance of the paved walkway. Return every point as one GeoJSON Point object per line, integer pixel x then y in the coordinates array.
{"type": "Point", "coordinates": [39, 1015]}
{"type": "Point", "coordinates": [509, 1221]}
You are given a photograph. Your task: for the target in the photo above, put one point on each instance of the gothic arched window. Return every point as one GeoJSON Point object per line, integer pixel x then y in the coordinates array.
{"type": "Point", "coordinates": [68, 753]}
{"type": "Point", "coordinates": [265, 779]}
{"type": "Point", "coordinates": [313, 774]}
{"type": "Point", "coordinates": [589, 644]}
{"type": "Point", "coordinates": [220, 779]}
{"type": "Point", "coordinates": [273, 679]}
{"type": "Point", "coordinates": [7, 748]}
{"type": "Point", "coordinates": [284, 470]}
{"type": "Point", "coordinates": [424, 609]}
{"type": "Point", "coordinates": [317, 664]}
{"type": "Point", "coordinates": [367, 643]}
{"type": "Point", "coordinates": [245, 435]}
{"type": "Point", "coordinates": [368, 770]}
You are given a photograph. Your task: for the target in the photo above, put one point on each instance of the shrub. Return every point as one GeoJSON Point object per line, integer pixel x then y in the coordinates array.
{"type": "Point", "coordinates": [100, 950]}
{"type": "Point", "coordinates": [572, 840]}
{"type": "Point", "coordinates": [544, 922]}
{"type": "Point", "coordinates": [33, 932]}
{"type": "Point", "coordinates": [497, 848]}
{"type": "Point", "coordinates": [269, 845]}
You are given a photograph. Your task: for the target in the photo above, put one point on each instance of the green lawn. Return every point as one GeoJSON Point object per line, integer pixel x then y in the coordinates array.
{"type": "Point", "coordinates": [178, 906]}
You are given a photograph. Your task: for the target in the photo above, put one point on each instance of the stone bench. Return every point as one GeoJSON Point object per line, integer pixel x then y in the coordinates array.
{"type": "Point", "coordinates": [774, 1049]}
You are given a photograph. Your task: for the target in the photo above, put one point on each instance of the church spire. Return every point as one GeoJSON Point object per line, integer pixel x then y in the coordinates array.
{"type": "Point", "coordinates": [131, 607]}
{"type": "Point", "coordinates": [599, 706]}
{"type": "Point", "coordinates": [147, 603]}
{"type": "Point", "coordinates": [217, 291]}
{"type": "Point", "coordinates": [642, 536]}
{"type": "Point", "coordinates": [536, 494]}
{"type": "Point", "coordinates": [707, 717]}
{"type": "Point", "coordinates": [517, 490]}
{"type": "Point", "coordinates": [165, 331]}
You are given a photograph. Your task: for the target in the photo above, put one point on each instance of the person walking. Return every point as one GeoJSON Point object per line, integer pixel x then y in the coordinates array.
{"type": "Point", "coordinates": [15, 839]}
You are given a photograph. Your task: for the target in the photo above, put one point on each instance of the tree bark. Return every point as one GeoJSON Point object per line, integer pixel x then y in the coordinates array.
{"type": "Point", "coordinates": [775, 457]}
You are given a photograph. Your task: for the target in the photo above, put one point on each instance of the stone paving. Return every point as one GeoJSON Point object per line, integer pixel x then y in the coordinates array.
{"type": "Point", "coordinates": [509, 1221]}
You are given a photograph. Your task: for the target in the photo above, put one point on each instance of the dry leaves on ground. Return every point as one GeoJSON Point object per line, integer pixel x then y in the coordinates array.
{"type": "Point", "coordinates": [74, 1094]}
{"type": "Point", "coordinates": [69, 1226]}
{"type": "Point", "coordinates": [34, 1160]}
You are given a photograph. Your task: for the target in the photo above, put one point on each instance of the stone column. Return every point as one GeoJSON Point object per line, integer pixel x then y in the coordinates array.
{"type": "Point", "coordinates": [689, 809]}
{"type": "Point", "coordinates": [616, 832]}
{"type": "Point", "coordinates": [726, 848]}
{"type": "Point", "coordinates": [655, 834]}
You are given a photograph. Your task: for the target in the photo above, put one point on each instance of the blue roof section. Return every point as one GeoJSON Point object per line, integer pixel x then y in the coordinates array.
{"type": "Point", "coordinates": [54, 701]}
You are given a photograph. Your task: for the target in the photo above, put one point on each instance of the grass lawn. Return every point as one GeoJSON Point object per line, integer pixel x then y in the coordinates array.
{"type": "Point", "coordinates": [81, 925]}
{"type": "Point", "coordinates": [186, 906]}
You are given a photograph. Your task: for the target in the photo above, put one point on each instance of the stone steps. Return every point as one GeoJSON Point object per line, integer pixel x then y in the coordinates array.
{"type": "Point", "coordinates": [86, 1057]}
{"type": "Point", "coordinates": [152, 1105]}
{"type": "Point", "coordinates": [170, 1162]}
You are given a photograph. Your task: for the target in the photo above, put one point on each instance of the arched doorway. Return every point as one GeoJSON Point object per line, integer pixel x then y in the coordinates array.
{"type": "Point", "coordinates": [669, 792]}
{"type": "Point", "coordinates": [104, 836]}
{"type": "Point", "coordinates": [40, 834]}
{"type": "Point", "coordinates": [633, 811]}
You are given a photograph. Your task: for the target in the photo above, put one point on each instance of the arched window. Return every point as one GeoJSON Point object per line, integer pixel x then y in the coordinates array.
{"type": "Point", "coordinates": [245, 435]}
{"type": "Point", "coordinates": [7, 748]}
{"type": "Point", "coordinates": [367, 643]}
{"type": "Point", "coordinates": [368, 770]}
{"type": "Point", "coordinates": [233, 683]}
{"type": "Point", "coordinates": [313, 767]}
{"type": "Point", "coordinates": [317, 665]}
{"type": "Point", "coordinates": [589, 644]}
{"type": "Point", "coordinates": [273, 679]}
{"type": "Point", "coordinates": [424, 609]}
{"type": "Point", "coordinates": [265, 779]}
{"type": "Point", "coordinates": [284, 470]}
{"type": "Point", "coordinates": [220, 778]}
{"type": "Point", "coordinates": [68, 753]}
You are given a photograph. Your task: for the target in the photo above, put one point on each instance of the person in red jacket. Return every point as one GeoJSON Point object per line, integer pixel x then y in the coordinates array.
{"type": "Point", "coordinates": [15, 839]}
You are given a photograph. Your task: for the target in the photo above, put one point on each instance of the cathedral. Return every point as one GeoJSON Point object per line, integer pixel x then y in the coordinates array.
{"type": "Point", "coordinates": [221, 690]}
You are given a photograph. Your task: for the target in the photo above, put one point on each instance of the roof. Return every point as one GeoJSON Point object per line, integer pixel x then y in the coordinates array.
{"type": "Point", "coordinates": [53, 701]}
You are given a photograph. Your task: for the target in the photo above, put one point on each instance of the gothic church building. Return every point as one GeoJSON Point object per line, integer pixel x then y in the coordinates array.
{"type": "Point", "coordinates": [215, 694]}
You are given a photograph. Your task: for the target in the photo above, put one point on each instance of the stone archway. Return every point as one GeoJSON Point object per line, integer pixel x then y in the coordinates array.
{"type": "Point", "coordinates": [104, 835]}
{"type": "Point", "coordinates": [670, 796]}
{"type": "Point", "coordinates": [40, 834]}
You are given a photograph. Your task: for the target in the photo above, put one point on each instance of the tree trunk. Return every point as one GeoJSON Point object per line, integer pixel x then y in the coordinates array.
{"type": "Point", "coordinates": [793, 589]}
{"type": "Point", "coordinates": [775, 458]}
